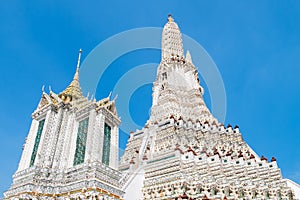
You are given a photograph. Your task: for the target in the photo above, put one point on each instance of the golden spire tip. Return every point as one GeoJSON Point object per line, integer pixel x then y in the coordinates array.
{"type": "Point", "coordinates": [170, 18]}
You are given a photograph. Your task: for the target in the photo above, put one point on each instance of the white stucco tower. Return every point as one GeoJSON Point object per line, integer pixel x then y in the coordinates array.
{"type": "Point", "coordinates": [183, 152]}
{"type": "Point", "coordinates": [71, 151]}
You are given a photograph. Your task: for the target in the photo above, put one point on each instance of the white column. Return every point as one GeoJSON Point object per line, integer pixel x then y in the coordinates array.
{"type": "Point", "coordinates": [69, 132]}
{"type": "Point", "coordinates": [114, 147]}
{"type": "Point", "coordinates": [56, 135]}
{"type": "Point", "coordinates": [90, 134]}
{"type": "Point", "coordinates": [70, 152]}
{"type": "Point", "coordinates": [102, 138]}
{"type": "Point", "coordinates": [98, 138]}
{"type": "Point", "coordinates": [64, 132]}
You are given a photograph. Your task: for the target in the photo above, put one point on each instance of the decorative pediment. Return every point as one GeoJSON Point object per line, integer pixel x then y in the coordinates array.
{"type": "Point", "coordinates": [104, 101]}
{"type": "Point", "coordinates": [108, 104]}
{"type": "Point", "coordinates": [45, 100]}
{"type": "Point", "coordinates": [111, 106]}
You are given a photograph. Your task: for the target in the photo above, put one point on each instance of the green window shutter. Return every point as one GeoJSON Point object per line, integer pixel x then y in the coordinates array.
{"type": "Point", "coordinates": [106, 144]}
{"type": "Point", "coordinates": [81, 141]}
{"type": "Point", "coordinates": [37, 142]}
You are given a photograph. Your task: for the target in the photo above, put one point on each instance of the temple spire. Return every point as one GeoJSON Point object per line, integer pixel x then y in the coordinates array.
{"type": "Point", "coordinates": [73, 91]}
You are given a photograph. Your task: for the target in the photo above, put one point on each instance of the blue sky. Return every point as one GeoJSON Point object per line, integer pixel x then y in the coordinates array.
{"type": "Point", "coordinates": [256, 46]}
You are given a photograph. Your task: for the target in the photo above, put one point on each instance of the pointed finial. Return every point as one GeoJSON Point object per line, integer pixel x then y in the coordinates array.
{"type": "Point", "coordinates": [43, 88]}
{"type": "Point", "coordinates": [74, 89]}
{"type": "Point", "coordinates": [50, 88]}
{"type": "Point", "coordinates": [170, 18]}
{"type": "Point", "coordinates": [76, 76]}
{"type": "Point", "coordinates": [79, 57]}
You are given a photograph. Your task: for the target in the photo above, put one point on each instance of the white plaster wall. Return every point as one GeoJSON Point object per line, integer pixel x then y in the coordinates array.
{"type": "Point", "coordinates": [133, 191]}
{"type": "Point", "coordinates": [28, 146]}
{"type": "Point", "coordinates": [295, 187]}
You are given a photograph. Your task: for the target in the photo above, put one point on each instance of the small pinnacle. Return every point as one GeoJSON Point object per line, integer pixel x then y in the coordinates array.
{"type": "Point", "coordinates": [115, 97]}
{"type": "Point", "coordinates": [188, 57]}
